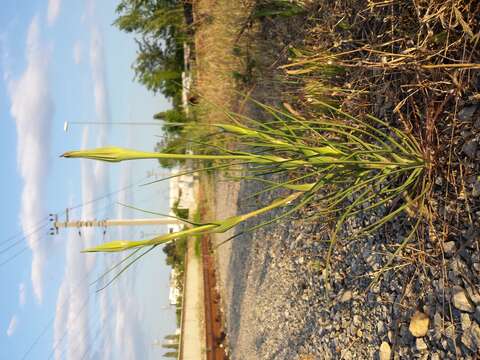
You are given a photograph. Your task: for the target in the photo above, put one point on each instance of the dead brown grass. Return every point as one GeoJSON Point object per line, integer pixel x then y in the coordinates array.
{"type": "Point", "coordinates": [415, 63]}
{"type": "Point", "coordinates": [216, 37]}
{"type": "Point", "coordinates": [218, 23]}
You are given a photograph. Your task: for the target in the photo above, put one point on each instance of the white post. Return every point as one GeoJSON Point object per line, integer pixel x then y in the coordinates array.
{"type": "Point", "coordinates": [116, 222]}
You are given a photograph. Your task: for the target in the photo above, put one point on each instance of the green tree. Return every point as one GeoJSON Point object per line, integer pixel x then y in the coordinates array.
{"type": "Point", "coordinates": [175, 251]}
{"type": "Point", "coordinates": [172, 337]}
{"type": "Point", "coordinates": [172, 145]}
{"type": "Point", "coordinates": [161, 31]}
{"type": "Point", "coordinates": [180, 212]}
{"type": "Point", "coordinates": [171, 117]}
{"type": "Point", "coordinates": [160, 70]}
{"type": "Point", "coordinates": [171, 354]}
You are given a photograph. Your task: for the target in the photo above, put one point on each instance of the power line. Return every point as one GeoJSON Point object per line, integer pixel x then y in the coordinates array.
{"type": "Point", "coordinates": [24, 238]}
{"type": "Point", "coordinates": [15, 255]}
{"type": "Point", "coordinates": [52, 319]}
{"type": "Point", "coordinates": [45, 221]}
{"type": "Point", "coordinates": [21, 251]}
{"type": "Point", "coordinates": [21, 232]}
{"type": "Point", "coordinates": [99, 330]}
{"type": "Point", "coordinates": [67, 330]}
{"type": "Point", "coordinates": [41, 223]}
{"type": "Point", "coordinates": [108, 194]}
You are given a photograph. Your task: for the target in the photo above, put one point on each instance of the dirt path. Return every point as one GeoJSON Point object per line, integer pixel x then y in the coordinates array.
{"type": "Point", "coordinates": [193, 343]}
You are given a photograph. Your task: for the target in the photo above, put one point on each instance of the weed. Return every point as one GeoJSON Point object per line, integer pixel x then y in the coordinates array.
{"type": "Point", "coordinates": [348, 165]}
{"type": "Point", "coordinates": [283, 8]}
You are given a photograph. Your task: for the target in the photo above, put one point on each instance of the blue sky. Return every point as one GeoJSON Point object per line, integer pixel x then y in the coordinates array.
{"type": "Point", "coordinates": [63, 61]}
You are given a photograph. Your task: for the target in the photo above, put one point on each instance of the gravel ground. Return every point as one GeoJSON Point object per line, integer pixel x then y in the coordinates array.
{"type": "Point", "coordinates": [277, 307]}
{"type": "Point", "coordinates": [275, 301]}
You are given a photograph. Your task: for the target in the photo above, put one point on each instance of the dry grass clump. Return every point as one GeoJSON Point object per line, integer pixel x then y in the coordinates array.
{"type": "Point", "coordinates": [415, 63]}
{"type": "Point", "coordinates": [412, 54]}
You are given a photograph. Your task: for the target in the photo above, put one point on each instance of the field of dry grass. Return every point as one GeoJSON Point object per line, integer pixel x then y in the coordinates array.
{"type": "Point", "coordinates": [215, 60]}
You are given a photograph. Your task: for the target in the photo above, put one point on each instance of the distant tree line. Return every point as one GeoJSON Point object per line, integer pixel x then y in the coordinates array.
{"type": "Point", "coordinates": [162, 27]}
{"type": "Point", "coordinates": [175, 136]}
{"type": "Point", "coordinates": [161, 31]}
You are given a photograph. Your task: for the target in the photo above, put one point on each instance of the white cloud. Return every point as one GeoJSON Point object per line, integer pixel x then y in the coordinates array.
{"type": "Point", "coordinates": [53, 11]}
{"type": "Point", "coordinates": [125, 337]}
{"type": "Point", "coordinates": [121, 334]}
{"type": "Point", "coordinates": [120, 309]}
{"type": "Point", "coordinates": [71, 325]}
{"type": "Point", "coordinates": [100, 92]}
{"type": "Point", "coordinates": [96, 184]}
{"type": "Point", "coordinates": [72, 310]}
{"type": "Point", "coordinates": [94, 178]}
{"type": "Point", "coordinates": [78, 296]}
{"type": "Point", "coordinates": [5, 59]}
{"type": "Point", "coordinates": [72, 314]}
{"type": "Point", "coordinates": [77, 52]}
{"type": "Point", "coordinates": [32, 108]}
{"type": "Point", "coordinates": [12, 327]}
{"type": "Point", "coordinates": [127, 329]}
{"type": "Point", "coordinates": [128, 334]}
{"type": "Point", "coordinates": [22, 294]}
{"type": "Point", "coordinates": [60, 324]}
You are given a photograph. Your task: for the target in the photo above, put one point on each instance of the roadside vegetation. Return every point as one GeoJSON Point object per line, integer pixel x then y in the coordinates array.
{"type": "Point", "coordinates": [163, 33]}
{"type": "Point", "coordinates": [353, 161]}
{"type": "Point", "coordinates": [362, 116]}
{"type": "Point", "coordinates": [161, 30]}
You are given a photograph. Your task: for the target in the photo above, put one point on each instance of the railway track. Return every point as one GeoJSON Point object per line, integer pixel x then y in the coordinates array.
{"type": "Point", "coordinates": [214, 330]}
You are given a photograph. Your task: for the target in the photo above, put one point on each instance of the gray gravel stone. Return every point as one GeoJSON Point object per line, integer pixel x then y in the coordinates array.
{"type": "Point", "coordinates": [475, 330]}
{"type": "Point", "coordinates": [473, 294]}
{"type": "Point", "coordinates": [466, 114]}
{"type": "Point", "coordinates": [346, 296]}
{"type": "Point", "coordinates": [449, 248]}
{"type": "Point", "coordinates": [470, 149]}
{"type": "Point", "coordinates": [421, 345]}
{"type": "Point", "coordinates": [437, 325]}
{"type": "Point", "coordinates": [468, 340]}
{"type": "Point", "coordinates": [380, 328]}
{"type": "Point", "coordinates": [476, 189]}
{"type": "Point", "coordinates": [419, 324]}
{"type": "Point", "coordinates": [476, 315]}
{"type": "Point", "coordinates": [465, 321]}
{"type": "Point", "coordinates": [385, 352]}
{"type": "Point", "coordinates": [460, 300]}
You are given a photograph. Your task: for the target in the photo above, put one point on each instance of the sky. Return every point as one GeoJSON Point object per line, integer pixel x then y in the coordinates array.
{"type": "Point", "coordinates": [64, 61]}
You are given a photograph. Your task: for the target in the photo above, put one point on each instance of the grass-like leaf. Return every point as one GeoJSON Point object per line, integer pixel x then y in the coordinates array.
{"type": "Point", "coordinates": [351, 165]}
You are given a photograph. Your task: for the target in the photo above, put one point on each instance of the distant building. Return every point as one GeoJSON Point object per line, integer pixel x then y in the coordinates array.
{"type": "Point", "coordinates": [182, 194]}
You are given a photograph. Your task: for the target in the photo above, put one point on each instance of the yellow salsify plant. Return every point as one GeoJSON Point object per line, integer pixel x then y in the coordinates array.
{"type": "Point", "coordinates": [342, 163]}
{"type": "Point", "coordinates": [199, 229]}
{"type": "Point", "coordinates": [117, 154]}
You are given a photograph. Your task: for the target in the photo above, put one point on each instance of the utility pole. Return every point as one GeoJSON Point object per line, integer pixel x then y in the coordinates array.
{"type": "Point", "coordinates": [66, 124]}
{"type": "Point", "coordinates": [57, 225]}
